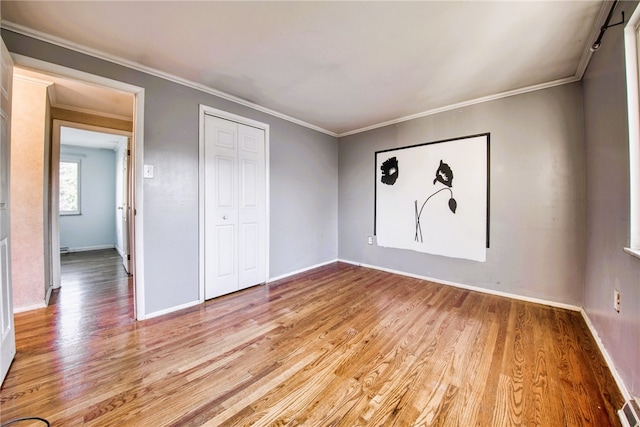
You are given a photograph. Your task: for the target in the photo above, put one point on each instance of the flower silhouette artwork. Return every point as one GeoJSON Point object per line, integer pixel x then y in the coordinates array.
{"type": "Point", "coordinates": [390, 171]}
{"type": "Point", "coordinates": [444, 175]}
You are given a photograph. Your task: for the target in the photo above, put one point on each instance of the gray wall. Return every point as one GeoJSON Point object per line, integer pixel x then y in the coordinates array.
{"type": "Point", "coordinates": [303, 183]}
{"type": "Point", "coordinates": [96, 226]}
{"type": "Point", "coordinates": [537, 190]}
{"type": "Point", "coordinates": [607, 161]}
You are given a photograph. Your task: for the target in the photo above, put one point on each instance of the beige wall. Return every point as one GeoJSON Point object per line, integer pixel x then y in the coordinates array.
{"type": "Point", "coordinates": [30, 205]}
{"type": "Point", "coordinates": [28, 133]}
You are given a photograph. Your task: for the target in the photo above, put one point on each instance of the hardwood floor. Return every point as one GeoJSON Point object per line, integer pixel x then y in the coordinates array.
{"type": "Point", "coordinates": [337, 346]}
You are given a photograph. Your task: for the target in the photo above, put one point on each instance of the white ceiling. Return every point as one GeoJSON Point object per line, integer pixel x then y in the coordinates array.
{"type": "Point", "coordinates": [340, 66]}
{"type": "Point", "coordinates": [81, 96]}
{"type": "Point", "coordinates": [90, 139]}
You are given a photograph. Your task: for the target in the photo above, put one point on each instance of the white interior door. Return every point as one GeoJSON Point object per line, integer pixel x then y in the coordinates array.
{"type": "Point", "coordinates": [235, 205]}
{"type": "Point", "coordinates": [252, 201]}
{"type": "Point", "coordinates": [7, 333]}
{"type": "Point", "coordinates": [125, 208]}
{"type": "Point", "coordinates": [221, 207]}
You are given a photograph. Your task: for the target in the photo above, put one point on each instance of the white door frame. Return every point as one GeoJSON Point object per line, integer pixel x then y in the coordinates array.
{"type": "Point", "coordinates": [54, 185]}
{"type": "Point", "coordinates": [137, 151]}
{"type": "Point", "coordinates": [201, 182]}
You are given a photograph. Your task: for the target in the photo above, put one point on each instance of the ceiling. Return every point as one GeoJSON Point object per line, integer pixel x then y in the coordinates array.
{"type": "Point", "coordinates": [336, 66]}
{"type": "Point", "coordinates": [81, 96]}
{"type": "Point", "coordinates": [90, 139]}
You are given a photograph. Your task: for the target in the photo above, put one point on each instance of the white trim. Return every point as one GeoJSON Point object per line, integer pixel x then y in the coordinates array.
{"type": "Point", "coordinates": [201, 210]}
{"type": "Point", "coordinates": [470, 288]}
{"type": "Point", "coordinates": [170, 310]}
{"type": "Point", "coordinates": [38, 35]}
{"type": "Point", "coordinates": [91, 248]}
{"type": "Point", "coordinates": [55, 161]}
{"type": "Point", "coordinates": [136, 245]}
{"type": "Point", "coordinates": [32, 80]}
{"type": "Point", "coordinates": [267, 206]}
{"type": "Point", "coordinates": [633, 252]}
{"type": "Point", "coordinates": [633, 108]}
{"type": "Point", "coordinates": [119, 251]}
{"type": "Point", "coordinates": [47, 295]}
{"type": "Point", "coordinates": [204, 110]}
{"type": "Point", "coordinates": [468, 103]}
{"type": "Point", "coordinates": [588, 52]}
{"type": "Point", "coordinates": [302, 270]}
{"type": "Point", "coordinates": [137, 152]}
{"type": "Point", "coordinates": [584, 61]}
{"type": "Point", "coordinates": [607, 358]}
{"type": "Point", "coordinates": [29, 308]}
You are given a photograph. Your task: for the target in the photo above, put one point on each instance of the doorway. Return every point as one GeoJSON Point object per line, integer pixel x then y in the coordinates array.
{"type": "Point", "coordinates": [115, 90]}
{"type": "Point", "coordinates": [91, 183]}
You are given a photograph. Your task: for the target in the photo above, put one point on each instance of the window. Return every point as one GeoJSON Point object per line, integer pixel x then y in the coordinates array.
{"type": "Point", "coordinates": [70, 186]}
{"type": "Point", "coordinates": [632, 45]}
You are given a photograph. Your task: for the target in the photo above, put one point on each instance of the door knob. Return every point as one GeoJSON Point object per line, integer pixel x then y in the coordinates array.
{"type": "Point", "coordinates": [224, 217]}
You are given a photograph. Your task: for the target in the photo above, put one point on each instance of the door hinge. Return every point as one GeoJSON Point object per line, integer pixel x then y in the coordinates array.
{"type": "Point", "coordinates": [128, 257]}
{"type": "Point", "coordinates": [128, 152]}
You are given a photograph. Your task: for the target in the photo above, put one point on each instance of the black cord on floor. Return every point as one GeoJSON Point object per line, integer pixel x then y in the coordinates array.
{"type": "Point", "coordinates": [17, 420]}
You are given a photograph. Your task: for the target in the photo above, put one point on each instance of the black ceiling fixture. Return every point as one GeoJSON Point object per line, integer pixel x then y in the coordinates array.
{"type": "Point", "coordinates": [596, 45]}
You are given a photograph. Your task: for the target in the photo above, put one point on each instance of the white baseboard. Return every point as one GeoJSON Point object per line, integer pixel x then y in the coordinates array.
{"type": "Point", "coordinates": [168, 310]}
{"type": "Point", "coordinates": [91, 248]}
{"type": "Point", "coordinates": [29, 308]}
{"type": "Point", "coordinates": [302, 270]}
{"type": "Point", "coordinates": [471, 288]}
{"type": "Point", "coordinates": [120, 251]}
{"type": "Point", "coordinates": [607, 358]}
{"type": "Point", "coordinates": [47, 295]}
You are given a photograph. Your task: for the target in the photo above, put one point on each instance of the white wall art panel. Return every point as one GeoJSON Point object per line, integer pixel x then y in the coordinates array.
{"type": "Point", "coordinates": [434, 197]}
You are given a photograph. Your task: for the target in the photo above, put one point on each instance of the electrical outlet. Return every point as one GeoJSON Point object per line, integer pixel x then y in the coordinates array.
{"type": "Point", "coordinates": [370, 240]}
{"type": "Point", "coordinates": [147, 171]}
{"type": "Point", "coordinates": [616, 300]}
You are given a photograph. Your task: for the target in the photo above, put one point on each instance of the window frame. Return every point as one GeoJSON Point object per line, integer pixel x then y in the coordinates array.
{"type": "Point", "coordinates": [78, 163]}
{"type": "Point", "coordinates": [631, 45]}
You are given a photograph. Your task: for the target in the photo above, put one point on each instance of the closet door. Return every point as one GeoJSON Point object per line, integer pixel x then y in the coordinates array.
{"type": "Point", "coordinates": [235, 206]}
{"type": "Point", "coordinates": [252, 201]}
{"type": "Point", "coordinates": [221, 207]}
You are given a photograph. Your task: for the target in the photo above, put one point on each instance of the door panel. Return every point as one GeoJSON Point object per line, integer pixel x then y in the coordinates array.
{"type": "Point", "coordinates": [249, 247]}
{"type": "Point", "coordinates": [226, 246]}
{"type": "Point", "coordinates": [125, 208]}
{"type": "Point", "coordinates": [7, 332]}
{"type": "Point", "coordinates": [248, 184]}
{"type": "Point", "coordinates": [234, 206]}
{"type": "Point", "coordinates": [252, 214]}
{"type": "Point", "coordinates": [224, 182]}
{"type": "Point", "coordinates": [221, 213]}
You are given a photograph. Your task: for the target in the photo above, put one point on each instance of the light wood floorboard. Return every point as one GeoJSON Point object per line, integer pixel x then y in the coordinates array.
{"type": "Point", "coordinates": [340, 345]}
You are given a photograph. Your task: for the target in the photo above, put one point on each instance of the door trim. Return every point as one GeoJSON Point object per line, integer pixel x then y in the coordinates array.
{"type": "Point", "coordinates": [206, 110]}
{"type": "Point", "coordinates": [137, 154]}
{"type": "Point", "coordinates": [54, 186]}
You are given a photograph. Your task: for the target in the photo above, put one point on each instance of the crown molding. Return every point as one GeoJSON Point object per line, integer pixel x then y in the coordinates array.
{"type": "Point", "coordinates": [582, 66]}
{"type": "Point", "coordinates": [481, 100]}
{"type": "Point", "coordinates": [48, 38]}
{"type": "Point", "coordinates": [32, 80]}
{"type": "Point", "coordinates": [588, 53]}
